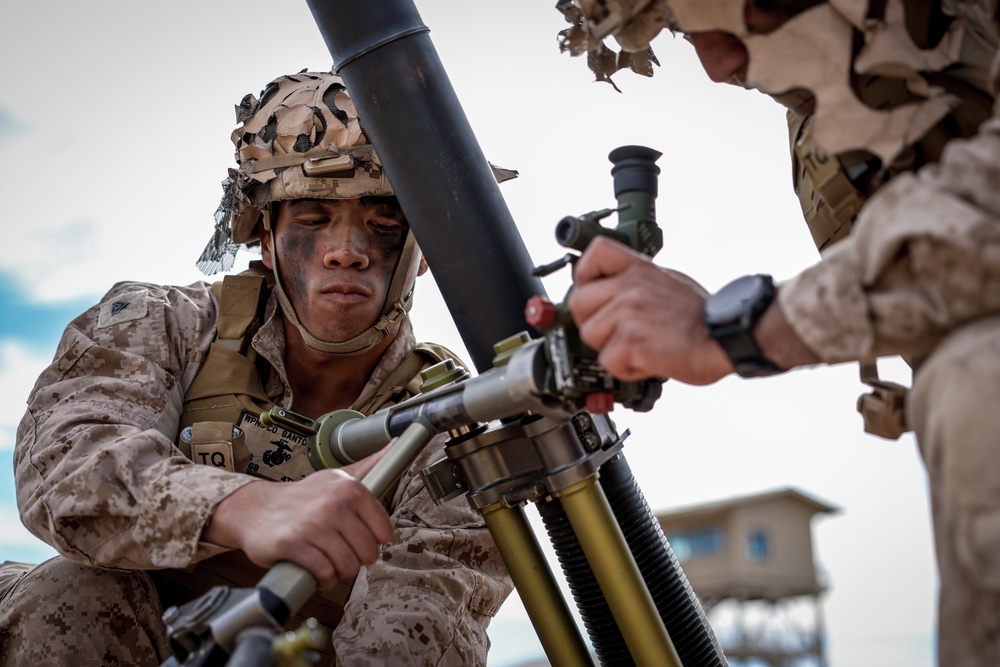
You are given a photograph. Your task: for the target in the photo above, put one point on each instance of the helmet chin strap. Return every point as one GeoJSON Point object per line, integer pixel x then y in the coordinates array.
{"type": "Point", "coordinates": [397, 304]}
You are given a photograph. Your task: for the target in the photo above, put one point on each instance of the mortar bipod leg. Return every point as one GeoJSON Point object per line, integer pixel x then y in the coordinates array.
{"type": "Point", "coordinates": [554, 624]}
{"type": "Point", "coordinates": [614, 567]}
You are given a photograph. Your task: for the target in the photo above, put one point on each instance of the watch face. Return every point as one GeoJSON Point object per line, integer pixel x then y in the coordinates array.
{"type": "Point", "coordinates": [730, 303]}
{"type": "Point", "coordinates": [730, 315]}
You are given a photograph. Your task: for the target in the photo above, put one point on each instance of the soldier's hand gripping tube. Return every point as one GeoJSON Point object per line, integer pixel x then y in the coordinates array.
{"type": "Point", "coordinates": [212, 629]}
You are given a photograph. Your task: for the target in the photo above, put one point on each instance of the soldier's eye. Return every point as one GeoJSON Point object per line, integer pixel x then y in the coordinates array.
{"type": "Point", "coordinates": [386, 225]}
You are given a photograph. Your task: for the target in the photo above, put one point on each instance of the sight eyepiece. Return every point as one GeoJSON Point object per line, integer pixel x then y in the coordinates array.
{"type": "Point", "coordinates": [634, 169]}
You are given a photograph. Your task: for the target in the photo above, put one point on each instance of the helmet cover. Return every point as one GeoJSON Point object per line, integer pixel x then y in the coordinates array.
{"type": "Point", "coordinates": [301, 139]}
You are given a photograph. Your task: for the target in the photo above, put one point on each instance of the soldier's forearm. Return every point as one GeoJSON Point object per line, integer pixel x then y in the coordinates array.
{"type": "Point", "coordinates": [779, 342]}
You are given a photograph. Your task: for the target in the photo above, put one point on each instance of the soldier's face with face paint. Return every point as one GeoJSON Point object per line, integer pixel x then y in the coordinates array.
{"type": "Point", "coordinates": [336, 259]}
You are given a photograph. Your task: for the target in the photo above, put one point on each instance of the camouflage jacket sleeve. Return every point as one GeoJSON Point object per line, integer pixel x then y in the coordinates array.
{"type": "Point", "coordinates": [432, 593]}
{"type": "Point", "coordinates": [922, 259]}
{"type": "Point", "coordinates": [97, 473]}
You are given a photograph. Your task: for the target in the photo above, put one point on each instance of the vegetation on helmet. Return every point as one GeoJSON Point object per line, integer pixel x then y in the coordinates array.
{"type": "Point", "coordinates": [820, 47]}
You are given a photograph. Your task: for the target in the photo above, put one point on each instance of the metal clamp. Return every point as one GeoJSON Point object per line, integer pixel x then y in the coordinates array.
{"type": "Point", "coordinates": [884, 409]}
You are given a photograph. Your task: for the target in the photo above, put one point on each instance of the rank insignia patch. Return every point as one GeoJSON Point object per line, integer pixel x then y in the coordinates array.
{"type": "Point", "coordinates": [123, 308]}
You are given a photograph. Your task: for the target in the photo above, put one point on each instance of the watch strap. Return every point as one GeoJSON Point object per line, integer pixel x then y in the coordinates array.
{"type": "Point", "coordinates": [745, 355]}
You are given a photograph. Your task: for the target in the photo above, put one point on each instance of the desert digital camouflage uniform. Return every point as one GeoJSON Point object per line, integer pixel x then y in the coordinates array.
{"type": "Point", "coordinates": [100, 477]}
{"type": "Point", "coordinates": [919, 275]}
{"type": "Point", "coordinates": [910, 268]}
{"type": "Point", "coordinates": [119, 461]}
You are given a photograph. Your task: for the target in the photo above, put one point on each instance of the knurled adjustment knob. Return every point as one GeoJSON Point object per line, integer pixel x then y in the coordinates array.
{"type": "Point", "coordinates": [540, 312]}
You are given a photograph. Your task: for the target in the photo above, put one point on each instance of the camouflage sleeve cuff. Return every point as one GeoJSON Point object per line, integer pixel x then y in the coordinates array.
{"type": "Point", "coordinates": [176, 509]}
{"type": "Point", "coordinates": [826, 307]}
{"type": "Point", "coordinates": [923, 258]}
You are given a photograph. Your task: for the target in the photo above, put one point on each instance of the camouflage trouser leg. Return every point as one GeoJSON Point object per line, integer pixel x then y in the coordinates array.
{"type": "Point", "coordinates": [955, 411]}
{"type": "Point", "coordinates": [65, 613]}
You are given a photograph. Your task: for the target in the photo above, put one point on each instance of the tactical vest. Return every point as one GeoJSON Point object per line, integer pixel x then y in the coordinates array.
{"type": "Point", "coordinates": [220, 426]}
{"type": "Point", "coordinates": [832, 190]}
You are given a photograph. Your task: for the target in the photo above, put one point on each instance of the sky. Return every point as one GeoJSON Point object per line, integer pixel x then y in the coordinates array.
{"type": "Point", "coordinates": [115, 119]}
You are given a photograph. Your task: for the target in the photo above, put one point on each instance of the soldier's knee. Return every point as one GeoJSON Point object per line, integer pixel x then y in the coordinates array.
{"type": "Point", "coordinates": [62, 612]}
{"type": "Point", "coordinates": [89, 588]}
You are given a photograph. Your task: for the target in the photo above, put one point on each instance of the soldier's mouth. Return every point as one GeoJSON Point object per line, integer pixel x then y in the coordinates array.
{"type": "Point", "coordinates": [346, 293]}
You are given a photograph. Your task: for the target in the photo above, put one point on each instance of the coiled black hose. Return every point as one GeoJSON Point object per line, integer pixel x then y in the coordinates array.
{"type": "Point", "coordinates": [676, 603]}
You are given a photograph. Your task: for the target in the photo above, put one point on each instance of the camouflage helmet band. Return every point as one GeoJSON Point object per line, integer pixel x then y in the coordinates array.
{"type": "Point", "coordinates": [301, 139]}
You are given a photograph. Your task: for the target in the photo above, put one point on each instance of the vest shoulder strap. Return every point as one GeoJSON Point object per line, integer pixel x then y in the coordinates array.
{"type": "Point", "coordinates": [404, 381]}
{"type": "Point", "coordinates": [242, 298]}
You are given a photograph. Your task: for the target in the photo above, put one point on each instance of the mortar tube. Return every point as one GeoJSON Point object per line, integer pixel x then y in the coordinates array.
{"type": "Point", "coordinates": [435, 164]}
{"type": "Point", "coordinates": [440, 175]}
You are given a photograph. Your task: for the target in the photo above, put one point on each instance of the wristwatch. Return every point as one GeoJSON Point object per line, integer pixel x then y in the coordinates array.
{"type": "Point", "coordinates": [730, 315]}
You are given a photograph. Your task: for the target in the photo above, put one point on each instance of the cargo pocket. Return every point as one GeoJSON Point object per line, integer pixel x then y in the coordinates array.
{"type": "Point", "coordinates": [472, 545]}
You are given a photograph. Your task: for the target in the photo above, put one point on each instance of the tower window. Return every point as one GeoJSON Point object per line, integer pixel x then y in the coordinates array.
{"type": "Point", "coordinates": [758, 545]}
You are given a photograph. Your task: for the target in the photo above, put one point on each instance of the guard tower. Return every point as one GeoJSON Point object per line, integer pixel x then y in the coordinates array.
{"type": "Point", "coordinates": [750, 561]}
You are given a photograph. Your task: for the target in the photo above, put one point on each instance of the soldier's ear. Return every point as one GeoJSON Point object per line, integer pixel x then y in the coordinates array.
{"type": "Point", "coordinates": [264, 233]}
{"type": "Point", "coordinates": [422, 269]}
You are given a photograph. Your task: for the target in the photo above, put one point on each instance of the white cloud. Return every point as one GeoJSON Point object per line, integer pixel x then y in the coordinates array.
{"type": "Point", "coordinates": [20, 366]}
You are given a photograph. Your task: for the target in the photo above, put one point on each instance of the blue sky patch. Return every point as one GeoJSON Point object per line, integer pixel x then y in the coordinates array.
{"type": "Point", "coordinates": [37, 325]}
{"type": "Point", "coordinates": [10, 126]}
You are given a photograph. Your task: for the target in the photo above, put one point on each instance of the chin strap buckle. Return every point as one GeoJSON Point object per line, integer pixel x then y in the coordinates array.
{"type": "Point", "coordinates": [387, 323]}
{"type": "Point", "coordinates": [883, 410]}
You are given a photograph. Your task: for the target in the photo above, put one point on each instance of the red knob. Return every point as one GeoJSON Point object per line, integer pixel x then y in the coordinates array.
{"type": "Point", "coordinates": [600, 402]}
{"type": "Point", "coordinates": [540, 312]}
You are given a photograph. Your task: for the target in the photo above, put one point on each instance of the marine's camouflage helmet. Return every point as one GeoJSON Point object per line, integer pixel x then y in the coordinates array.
{"type": "Point", "coordinates": [819, 50]}
{"type": "Point", "coordinates": [301, 139]}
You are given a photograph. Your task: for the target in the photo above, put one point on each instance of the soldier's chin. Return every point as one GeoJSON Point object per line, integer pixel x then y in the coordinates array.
{"type": "Point", "coordinates": [799, 101]}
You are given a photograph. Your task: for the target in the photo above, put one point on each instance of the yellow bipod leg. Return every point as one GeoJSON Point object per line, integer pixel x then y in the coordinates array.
{"type": "Point", "coordinates": [618, 575]}
{"type": "Point", "coordinates": [551, 618]}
